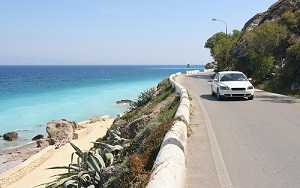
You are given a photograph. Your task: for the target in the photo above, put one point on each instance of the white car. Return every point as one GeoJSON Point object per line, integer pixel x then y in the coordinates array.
{"type": "Point", "coordinates": [232, 84]}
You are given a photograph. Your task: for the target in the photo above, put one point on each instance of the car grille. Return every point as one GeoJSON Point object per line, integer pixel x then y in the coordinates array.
{"type": "Point", "coordinates": [238, 95]}
{"type": "Point", "coordinates": [238, 89]}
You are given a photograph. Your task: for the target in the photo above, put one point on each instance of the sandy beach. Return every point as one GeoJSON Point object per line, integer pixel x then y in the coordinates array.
{"type": "Point", "coordinates": [16, 161]}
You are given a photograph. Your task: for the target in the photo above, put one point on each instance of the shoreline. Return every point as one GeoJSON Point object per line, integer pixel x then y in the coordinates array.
{"type": "Point", "coordinates": [15, 147]}
{"type": "Point", "coordinates": [13, 157]}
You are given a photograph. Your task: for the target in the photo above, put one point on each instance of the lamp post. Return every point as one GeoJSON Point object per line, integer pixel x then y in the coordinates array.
{"type": "Point", "coordinates": [221, 21]}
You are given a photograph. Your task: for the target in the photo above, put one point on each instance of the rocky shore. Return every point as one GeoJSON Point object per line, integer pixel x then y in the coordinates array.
{"type": "Point", "coordinates": [57, 130]}
{"type": "Point", "coordinates": [40, 159]}
{"type": "Point", "coordinates": [13, 157]}
{"type": "Point", "coordinates": [32, 158]}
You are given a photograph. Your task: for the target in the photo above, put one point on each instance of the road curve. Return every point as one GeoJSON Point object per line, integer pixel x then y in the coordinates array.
{"type": "Point", "coordinates": [258, 141]}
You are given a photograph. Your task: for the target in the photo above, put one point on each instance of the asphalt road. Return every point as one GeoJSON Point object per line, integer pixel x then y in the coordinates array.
{"type": "Point", "coordinates": [240, 143]}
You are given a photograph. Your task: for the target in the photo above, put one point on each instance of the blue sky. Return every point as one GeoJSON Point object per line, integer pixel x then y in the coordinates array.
{"type": "Point", "coordinates": [117, 31]}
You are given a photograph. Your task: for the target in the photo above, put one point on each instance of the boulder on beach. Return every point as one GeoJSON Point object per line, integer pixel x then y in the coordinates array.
{"type": "Point", "coordinates": [75, 125]}
{"type": "Point", "coordinates": [44, 142]}
{"type": "Point", "coordinates": [10, 136]}
{"type": "Point", "coordinates": [59, 130]}
{"type": "Point", "coordinates": [95, 119]}
{"type": "Point", "coordinates": [37, 137]}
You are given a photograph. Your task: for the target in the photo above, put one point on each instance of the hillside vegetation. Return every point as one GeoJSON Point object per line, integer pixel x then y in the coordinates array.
{"type": "Point", "coordinates": [267, 49]}
{"type": "Point", "coordinates": [125, 156]}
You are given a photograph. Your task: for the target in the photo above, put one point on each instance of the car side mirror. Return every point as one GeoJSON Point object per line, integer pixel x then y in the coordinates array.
{"type": "Point", "coordinates": [250, 79]}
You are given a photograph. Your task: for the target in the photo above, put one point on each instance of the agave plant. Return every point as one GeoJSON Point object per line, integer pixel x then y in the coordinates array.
{"type": "Point", "coordinates": [115, 138]}
{"type": "Point", "coordinates": [146, 96]}
{"type": "Point", "coordinates": [109, 152]}
{"type": "Point", "coordinates": [86, 167]}
{"type": "Point", "coordinates": [143, 99]}
{"type": "Point", "coordinates": [85, 171]}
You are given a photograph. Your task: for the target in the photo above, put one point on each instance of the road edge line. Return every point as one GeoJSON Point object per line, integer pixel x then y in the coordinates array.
{"type": "Point", "coordinates": [220, 165]}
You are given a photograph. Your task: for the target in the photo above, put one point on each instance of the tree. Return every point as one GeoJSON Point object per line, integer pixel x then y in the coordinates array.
{"type": "Point", "coordinates": [291, 70]}
{"type": "Point", "coordinates": [262, 42]}
{"type": "Point", "coordinates": [213, 41]}
{"type": "Point", "coordinates": [261, 64]}
{"type": "Point", "coordinates": [219, 45]}
{"type": "Point", "coordinates": [291, 20]}
{"type": "Point", "coordinates": [221, 49]}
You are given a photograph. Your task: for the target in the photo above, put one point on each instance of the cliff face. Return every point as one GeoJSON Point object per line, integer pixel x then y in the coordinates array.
{"type": "Point", "coordinates": [238, 52]}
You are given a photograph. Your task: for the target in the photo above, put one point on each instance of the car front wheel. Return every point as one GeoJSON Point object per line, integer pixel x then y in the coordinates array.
{"type": "Point", "coordinates": [219, 97]}
{"type": "Point", "coordinates": [251, 97]}
{"type": "Point", "coordinates": [212, 92]}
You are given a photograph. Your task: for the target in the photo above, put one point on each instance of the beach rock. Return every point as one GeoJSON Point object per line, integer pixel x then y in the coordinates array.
{"type": "Point", "coordinates": [10, 136]}
{"type": "Point", "coordinates": [105, 118]}
{"type": "Point", "coordinates": [37, 137]}
{"type": "Point", "coordinates": [74, 124]}
{"type": "Point", "coordinates": [95, 119]}
{"type": "Point", "coordinates": [59, 130]}
{"type": "Point", "coordinates": [44, 142]}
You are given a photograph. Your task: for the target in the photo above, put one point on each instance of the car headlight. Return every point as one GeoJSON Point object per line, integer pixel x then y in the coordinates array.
{"type": "Point", "coordinates": [224, 87]}
{"type": "Point", "coordinates": [250, 87]}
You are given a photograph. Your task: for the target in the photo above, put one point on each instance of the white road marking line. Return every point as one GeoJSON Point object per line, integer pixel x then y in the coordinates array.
{"type": "Point", "coordinates": [224, 179]}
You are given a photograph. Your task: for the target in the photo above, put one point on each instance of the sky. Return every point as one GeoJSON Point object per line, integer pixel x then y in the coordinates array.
{"type": "Point", "coordinates": [116, 32]}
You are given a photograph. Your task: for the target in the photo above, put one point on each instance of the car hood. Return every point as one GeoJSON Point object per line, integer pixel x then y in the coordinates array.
{"type": "Point", "coordinates": [233, 84]}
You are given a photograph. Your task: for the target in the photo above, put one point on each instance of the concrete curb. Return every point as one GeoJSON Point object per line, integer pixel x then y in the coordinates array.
{"type": "Point", "coordinates": [169, 167]}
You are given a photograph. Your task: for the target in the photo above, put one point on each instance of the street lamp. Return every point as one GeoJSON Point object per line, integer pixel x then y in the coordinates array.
{"type": "Point", "coordinates": [221, 21]}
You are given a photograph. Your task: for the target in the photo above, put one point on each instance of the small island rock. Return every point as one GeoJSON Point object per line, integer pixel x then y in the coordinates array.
{"type": "Point", "coordinates": [124, 101]}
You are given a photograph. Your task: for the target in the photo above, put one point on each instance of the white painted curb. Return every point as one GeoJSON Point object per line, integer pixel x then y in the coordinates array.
{"type": "Point", "coordinates": [169, 167]}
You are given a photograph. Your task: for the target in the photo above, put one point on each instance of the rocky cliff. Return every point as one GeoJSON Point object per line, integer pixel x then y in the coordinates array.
{"type": "Point", "coordinates": [238, 53]}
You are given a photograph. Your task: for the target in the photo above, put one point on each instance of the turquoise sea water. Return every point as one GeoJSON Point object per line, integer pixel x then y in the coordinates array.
{"type": "Point", "coordinates": [31, 96]}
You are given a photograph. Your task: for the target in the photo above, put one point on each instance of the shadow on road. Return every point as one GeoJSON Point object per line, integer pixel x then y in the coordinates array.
{"type": "Point", "coordinates": [276, 98]}
{"type": "Point", "coordinates": [213, 98]}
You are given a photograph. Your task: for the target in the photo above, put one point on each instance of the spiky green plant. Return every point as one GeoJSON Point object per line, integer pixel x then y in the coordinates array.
{"type": "Point", "coordinates": [143, 99]}
{"type": "Point", "coordinates": [84, 171]}
{"type": "Point", "coordinates": [86, 167]}
{"type": "Point", "coordinates": [113, 136]}
{"type": "Point", "coordinates": [110, 149]}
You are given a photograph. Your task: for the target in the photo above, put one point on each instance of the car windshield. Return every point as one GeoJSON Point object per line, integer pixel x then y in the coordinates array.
{"type": "Point", "coordinates": [233, 77]}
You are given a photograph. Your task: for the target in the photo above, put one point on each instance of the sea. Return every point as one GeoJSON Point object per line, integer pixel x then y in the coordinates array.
{"type": "Point", "coordinates": [33, 95]}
